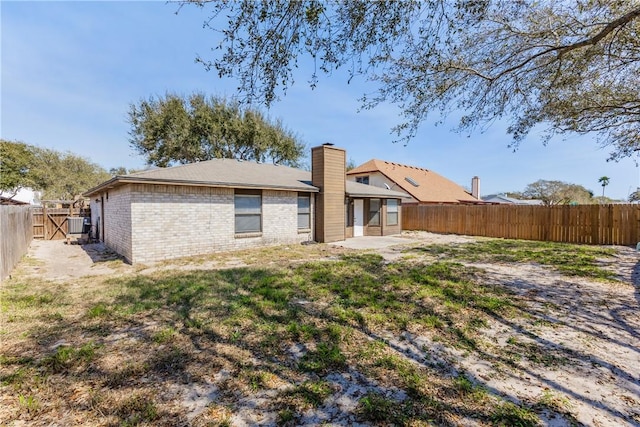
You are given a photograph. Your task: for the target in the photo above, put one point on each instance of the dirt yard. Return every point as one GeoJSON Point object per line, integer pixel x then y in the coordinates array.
{"type": "Point", "coordinates": [571, 354]}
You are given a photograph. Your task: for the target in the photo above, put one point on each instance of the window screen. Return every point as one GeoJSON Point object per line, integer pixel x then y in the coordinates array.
{"type": "Point", "coordinates": [392, 212]}
{"type": "Point", "coordinates": [374, 212]}
{"type": "Point", "coordinates": [304, 211]}
{"type": "Point", "coordinates": [248, 208]}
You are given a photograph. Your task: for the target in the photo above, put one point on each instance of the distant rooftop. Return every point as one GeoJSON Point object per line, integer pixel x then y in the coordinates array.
{"type": "Point", "coordinates": [422, 184]}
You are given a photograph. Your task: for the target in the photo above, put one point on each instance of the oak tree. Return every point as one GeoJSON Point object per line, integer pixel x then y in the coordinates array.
{"type": "Point", "coordinates": [64, 175]}
{"type": "Point", "coordinates": [16, 161]}
{"type": "Point", "coordinates": [176, 129]}
{"type": "Point", "coordinates": [552, 192]}
{"type": "Point", "coordinates": [569, 66]}
{"type": "Point", "coordinates": [60, 176]}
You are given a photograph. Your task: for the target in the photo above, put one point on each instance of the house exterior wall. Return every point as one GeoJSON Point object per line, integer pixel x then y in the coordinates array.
{"type": "Point", "coordinates": [371, 230]}
{"type": "Point", "coordinates": [175, 221]}
{"type": "Point", "coordinates": [391, 229]}
{"type": "Point", "coordinates": [378, 179]}
{"type": "Point", "coordinates": [116, 223]}
{"type": "Point", "coordinates": [348, 212]}
{"type": "Point", "coordinates": [376, 230]}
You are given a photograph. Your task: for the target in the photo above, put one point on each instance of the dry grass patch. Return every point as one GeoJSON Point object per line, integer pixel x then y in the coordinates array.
{"type": "Point", "coordinates": [351, 339]}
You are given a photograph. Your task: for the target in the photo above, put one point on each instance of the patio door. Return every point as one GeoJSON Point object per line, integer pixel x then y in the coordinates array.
{"type": "Point", "coordinates": [358, 217]}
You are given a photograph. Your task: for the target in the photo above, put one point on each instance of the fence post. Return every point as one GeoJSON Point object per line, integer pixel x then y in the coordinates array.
{"type": "Point", "coordinates": [45, 221]}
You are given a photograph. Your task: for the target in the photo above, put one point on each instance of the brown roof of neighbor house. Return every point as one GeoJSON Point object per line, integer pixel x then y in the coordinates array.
{"type": "Point", "coordinates": [423, 184]}
{"type": "Point", "coordinates": [10, 201]}
{"type": "Point", "coordinates": [237, 174]}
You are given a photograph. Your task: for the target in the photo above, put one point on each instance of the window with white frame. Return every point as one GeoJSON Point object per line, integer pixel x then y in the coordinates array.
{"type": "Point", "coordinates": [248, 212]}
{"type": "Point", "coordinates": [392, 212]}
{"type": "Point", "coordinates": [304, 211]}
{"type": "Point", "coordinates": [363, 179]}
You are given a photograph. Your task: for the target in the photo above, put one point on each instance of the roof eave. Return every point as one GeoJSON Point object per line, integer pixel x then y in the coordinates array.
{"type": "Point", "coordinates": [357, 172]}
{"type": "Point", "coordinates": [120, 180]}
{"type": "Point", "coordinates": [107, 184]}
{"type": "Point", "coordinates": [376, 196]}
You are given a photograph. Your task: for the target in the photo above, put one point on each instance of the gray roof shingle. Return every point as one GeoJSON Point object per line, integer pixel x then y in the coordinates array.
{"type": "Point", "coordinates": [233, 173]}
{"type": "Point", "coordinates": [239, 174]}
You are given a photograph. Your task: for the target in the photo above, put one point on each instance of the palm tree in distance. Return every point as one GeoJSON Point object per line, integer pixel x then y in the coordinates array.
{"type": "Point", "coordinates": [604, 181]}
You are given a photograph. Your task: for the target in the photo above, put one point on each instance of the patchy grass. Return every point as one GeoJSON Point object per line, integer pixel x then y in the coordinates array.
{"type": "Point", "coordinates": [510, 414]}
{"type": "Point", "coordinates": [378, 409]}
{"type": "Point", "coordinates": [572, 260]}
{"type": "Point", "coordinates": [533, 352]}
{"type": "Point", "coordinates": [286, 331]}
{"type": "Point", "coordinates": [309, 394]}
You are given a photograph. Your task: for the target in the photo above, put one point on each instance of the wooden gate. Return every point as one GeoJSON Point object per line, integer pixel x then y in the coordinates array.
{"type": "Point", "coordinates": [51, 224]}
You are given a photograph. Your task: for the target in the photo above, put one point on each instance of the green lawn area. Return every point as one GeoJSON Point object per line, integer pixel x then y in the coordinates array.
{"type": "Point", "coordinates": [113, 351]}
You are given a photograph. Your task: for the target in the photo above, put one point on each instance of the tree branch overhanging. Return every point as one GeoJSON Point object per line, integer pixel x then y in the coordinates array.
{"type": "Point", "coordinates": [528, 61]}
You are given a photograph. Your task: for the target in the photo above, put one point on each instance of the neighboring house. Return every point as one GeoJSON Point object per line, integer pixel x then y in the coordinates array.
{"type": "Point", "coordinates": [504, 200]}
{"type": "Point", "coordinates": [10, 201]}
{"type": "Point", "coordinates": [24, 196]}
{"type": "Point", "coordinates": [226, 204]}
{"type": "Point", "coordinates": [423, 186]}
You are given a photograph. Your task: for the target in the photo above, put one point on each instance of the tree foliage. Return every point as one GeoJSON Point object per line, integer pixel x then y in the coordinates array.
{"type": "Point", "coordinates": [121, 170]}
{"type": "Point", "coordinates": [16, 160]}
{"type": "Point", "coordinates": [176, 129]}
{"type": "Point", "coordinates": [64, 176]}
{"type": "Point", "coordinates": [60, 176]}
{"type": "Point", "coordinates": [558, 193]}
{"type": "Point", "coordinates": [635, 196]}
{"type": "Point", "coordinates": [570, 66]}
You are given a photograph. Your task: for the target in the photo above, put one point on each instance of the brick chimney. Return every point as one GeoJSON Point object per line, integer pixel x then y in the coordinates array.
{"type": "Point", "coordinates": [328, 169]}
{"type": "Point", "coordinates": [475, 187]}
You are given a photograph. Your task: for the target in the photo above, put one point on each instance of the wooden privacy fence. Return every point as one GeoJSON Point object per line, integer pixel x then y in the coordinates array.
{"type": "Point", "coordinates": [590, 224]}
{"type": "Point", "coordinates": [51, 224]}
{"type": "Point", "coordinates": [16, 233]}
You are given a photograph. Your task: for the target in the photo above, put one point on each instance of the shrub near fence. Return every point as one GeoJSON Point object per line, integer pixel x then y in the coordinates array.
{"type": "Point", "coordinates": [590, 224]}
{"type": "Point", "coordinates": [16, 233]}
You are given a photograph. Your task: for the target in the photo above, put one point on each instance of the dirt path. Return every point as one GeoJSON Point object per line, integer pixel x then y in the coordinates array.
{"type": "Point", "coordinates": [583, 345]}
{"type": "Point", "coordinates": [57, 261]}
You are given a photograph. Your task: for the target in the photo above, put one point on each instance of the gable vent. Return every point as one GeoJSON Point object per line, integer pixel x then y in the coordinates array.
{"type": "Point", "coordinates": [411, 181]}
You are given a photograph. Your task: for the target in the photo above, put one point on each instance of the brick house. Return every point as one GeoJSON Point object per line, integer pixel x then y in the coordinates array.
{"type": "Point", "coordinates": [421, 186]}
{"type": "Point", "coordinates": [227, 204]}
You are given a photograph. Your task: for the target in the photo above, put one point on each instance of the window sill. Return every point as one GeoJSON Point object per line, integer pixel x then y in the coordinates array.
{"type": "Point", "coordinates": [247, 235]}
{"type": "Point", "coordinates": [304, 230]}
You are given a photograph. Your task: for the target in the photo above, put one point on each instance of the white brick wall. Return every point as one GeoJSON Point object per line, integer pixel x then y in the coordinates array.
{"type": "Point", "coordinates": [117, 220]}
{"type": "Point", "coordinates": [174, 221]}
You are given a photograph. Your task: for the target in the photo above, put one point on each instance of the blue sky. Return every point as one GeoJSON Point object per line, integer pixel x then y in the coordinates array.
{"type": "Point", "coordinates": [70, 70]}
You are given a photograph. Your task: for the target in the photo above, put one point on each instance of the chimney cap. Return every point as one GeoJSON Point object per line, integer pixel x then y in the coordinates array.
{"type": "Point", "coordinates": [329, 144]}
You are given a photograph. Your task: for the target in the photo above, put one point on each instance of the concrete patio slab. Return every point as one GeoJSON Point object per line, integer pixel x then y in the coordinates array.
{"type": "Point", "coordinates": [374, 242]}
